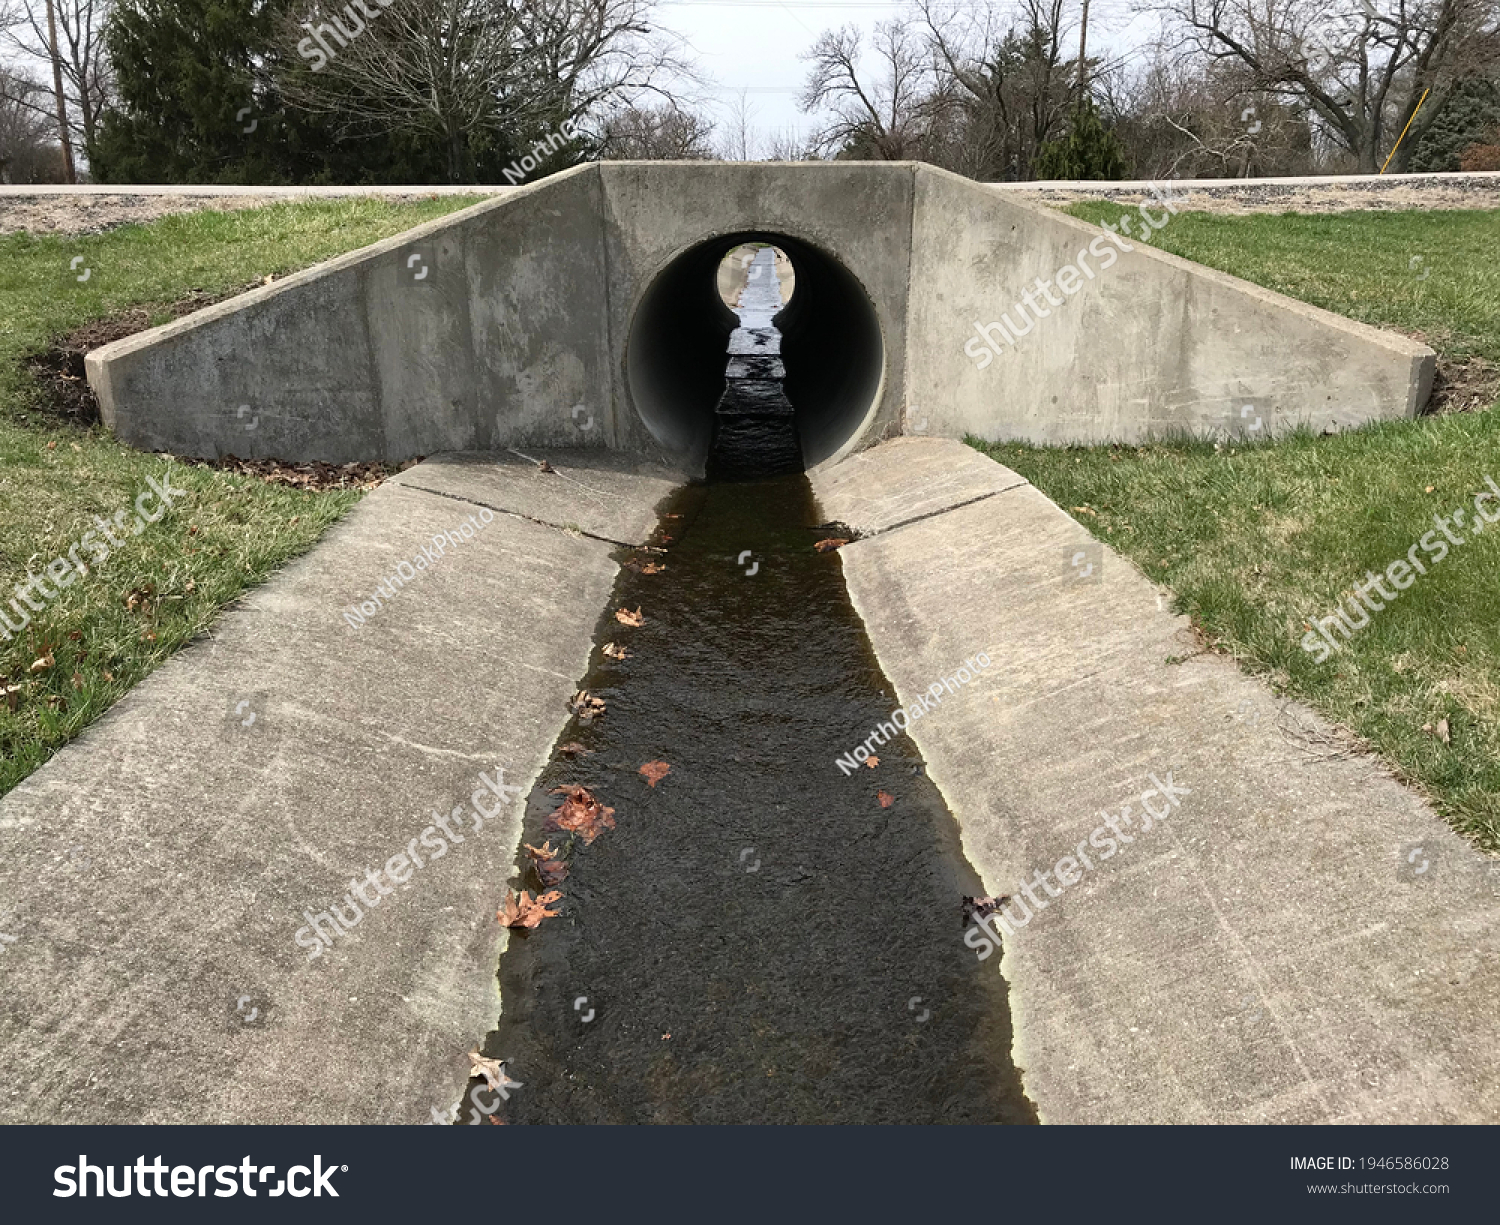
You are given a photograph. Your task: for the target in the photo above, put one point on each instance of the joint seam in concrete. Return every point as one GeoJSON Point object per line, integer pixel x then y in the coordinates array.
{"type": "Point", "coordinates": [933, 514]}
{"type": "Point", "coordinates": [515, 514]}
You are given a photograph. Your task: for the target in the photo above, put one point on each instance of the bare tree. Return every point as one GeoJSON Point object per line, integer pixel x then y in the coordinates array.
{"type": "Point", "coordinates": [476, 72]}
{"type": "Point", "coordinates": [1013, 84]}
{"type": "Point", "coordinates": [662, 133]}
{"type": "Point", "coordinates": [740, 141]}
{"type": "Point", "coordinates": [29, 29]}
{"type": "Point", "coordinates": [1359, 66]}
{"type": "Point", "coordinates": [882, 114]}
{"type": "Point", "coordinates": [27, 151]}
{"type": "Point", "coordinates": [1191, 119]}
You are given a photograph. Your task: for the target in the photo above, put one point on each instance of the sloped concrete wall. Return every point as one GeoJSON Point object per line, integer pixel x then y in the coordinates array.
{"type": "Point", "coordinates": [473, 332]}
{"type": "Point", "coordinates": [1145, 344]}
{"type": "Point", "coordinates": [510, 324]}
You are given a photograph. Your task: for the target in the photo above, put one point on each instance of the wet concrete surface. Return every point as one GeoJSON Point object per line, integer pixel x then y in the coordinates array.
{"type": "Point", "coordinates": [761, 937]}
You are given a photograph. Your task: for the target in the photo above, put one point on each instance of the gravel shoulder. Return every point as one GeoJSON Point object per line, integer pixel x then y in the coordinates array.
{"type": "Point", "coordinates": [90, 210]}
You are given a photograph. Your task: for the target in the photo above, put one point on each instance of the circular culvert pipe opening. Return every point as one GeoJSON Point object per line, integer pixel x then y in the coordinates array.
{"type": "Point", "coordinates": [831, 345]}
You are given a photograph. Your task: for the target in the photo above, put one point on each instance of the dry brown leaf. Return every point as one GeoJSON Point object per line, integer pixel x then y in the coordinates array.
{"type": "Point", "coordinates": [625, 617]}
{"type": "Point", "coordinates": [573, 749]}
{"type": "Point", "coordinates": [872, 761]}
{"type": "Point", "coordinates": [41, 665]}
{"type": "Point", "coordinates": [493, 1071]}
{"type": "Point", "coordinates": [652, 567]}
{"type": "Point", "coordinates": [655, 771]}
{"type": "Point", "coordinates": [886, 798]}
{"type": "Point", "coordinates": [975, 908]}
{"type": "Point", "coordinates": [586, 706]}
{"type": "Point", "coordinates": [1440, 731]}
{"type": "Point", "coordinates": [615, 651]}
{"type": "Point", "coordinates": [581, 814]}
{"type": "Point", "coordinates": [527, 911]}
{"type": "Point", "coordinates": [551, 869]}
{"type": "Point", "coordinates": [544, 466]}
{"type": "Point", "coordinates": [828, 546]}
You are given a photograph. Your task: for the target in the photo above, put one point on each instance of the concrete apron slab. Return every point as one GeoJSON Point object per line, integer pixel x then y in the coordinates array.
{"type": "Point", "coordinates": [155, 873]}
{"type": "Point", "coordinates": [1270, 951]}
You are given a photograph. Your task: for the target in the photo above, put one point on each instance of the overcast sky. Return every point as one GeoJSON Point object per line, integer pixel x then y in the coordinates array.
{"type": "Point", "coordinates": [755, 44]}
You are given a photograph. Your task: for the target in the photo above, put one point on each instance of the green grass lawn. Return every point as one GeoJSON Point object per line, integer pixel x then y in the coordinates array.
{"type": "Point", "coordinates": [1258, 541]}
{"type": "Point", "coordinates": [104, 632]}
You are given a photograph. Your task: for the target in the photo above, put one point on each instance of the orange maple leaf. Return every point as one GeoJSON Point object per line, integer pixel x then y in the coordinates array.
{"type": "Point", "coordinates": [527, 911]}
{"type": "Point", "coordinates": [581, 814]}
{"type": "Point", "coordinates": [655, 771]}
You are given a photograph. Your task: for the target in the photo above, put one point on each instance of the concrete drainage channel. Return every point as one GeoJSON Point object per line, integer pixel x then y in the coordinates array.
{"type": "Point", "coordinates": [760, 936]}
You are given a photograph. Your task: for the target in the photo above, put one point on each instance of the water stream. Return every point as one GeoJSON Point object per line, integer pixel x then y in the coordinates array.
{"type": "Point", "coordinates": [760, 937]}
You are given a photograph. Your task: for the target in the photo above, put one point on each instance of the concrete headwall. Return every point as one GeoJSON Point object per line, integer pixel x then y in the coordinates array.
{"type": "Point", "coordinates": [530, 320]}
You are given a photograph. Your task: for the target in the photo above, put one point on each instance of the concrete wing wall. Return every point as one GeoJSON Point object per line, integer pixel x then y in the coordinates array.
{"type": "Point", "coordinates": [477, 331]}
{"type": "Point", "coordinates": [1146, 344]}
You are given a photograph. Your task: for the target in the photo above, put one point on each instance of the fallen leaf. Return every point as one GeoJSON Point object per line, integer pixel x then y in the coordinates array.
{"type": "Point", "coordinates": [41, 665]}
{"type": "Point", "coordinates": [573, 749]}
{"type": "Point", "coordinates": [975, 908]}
{"type": "Point", "coordinates": [655, 771]}
{"type": "Point", "coordinates": [615, 651]}
{"type": "Point", "coordinates": [77, 680]}
{"type": "Point", "coordinates": [11, 694]}
{"type": "Point", "coordinates": [1429, 489]}
{"type": "Point", "coordinates": [625, 617]}
{"type": "Point", "coordinates": [544, 466]}
{"type": "Point", "coordinates": [586, 706]}
{"type": "Point", "coordinates": [828, 546]}
{"type": "Point", "coordinates": [549, 867]}
{"type": "Point", "coordinates": [872, 761]}
{"type": "Point", "coordinates": [527, 911]}
{"type": "Point", "coordinates": [652, 567]}
{"type": "Point", "coordinates": [581, 814]}
{"type": "Point", "coordinates": [493, 1071]}
{"type": "Point", "coordinates": [886, 798]}
{"type": "Point", "coordinates": [140, 598]}
{"type": "Point", "coordinates": [1440, 731]}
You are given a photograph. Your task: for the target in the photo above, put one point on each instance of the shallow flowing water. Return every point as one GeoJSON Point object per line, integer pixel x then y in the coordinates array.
{"type": "Point", "coordinates": [761, 937]}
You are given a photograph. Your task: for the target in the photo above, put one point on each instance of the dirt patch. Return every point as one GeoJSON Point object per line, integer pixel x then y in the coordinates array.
{"type": "Point", "coordinates": [59, 371]}
{"type": "Point", "coordinates": [1467, 385]}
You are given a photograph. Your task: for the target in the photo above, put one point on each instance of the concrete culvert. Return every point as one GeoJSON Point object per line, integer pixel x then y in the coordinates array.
{"type": "Point", "coordinates": [831, 345]}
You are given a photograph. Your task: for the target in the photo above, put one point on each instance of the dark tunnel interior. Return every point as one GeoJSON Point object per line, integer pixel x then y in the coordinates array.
{"type": "Point", "coordinates": [831, 345]}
